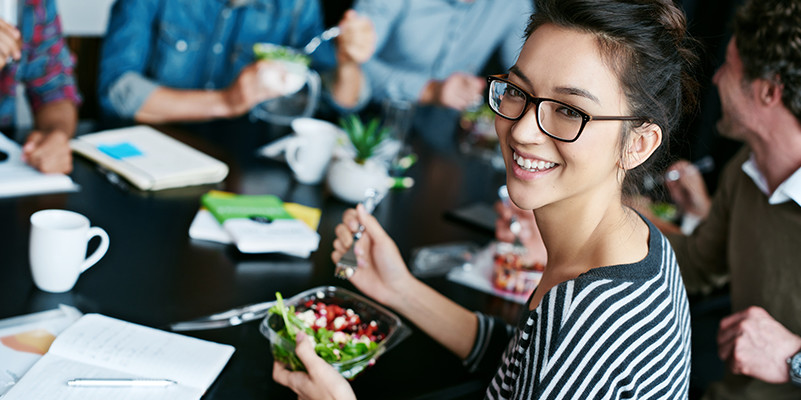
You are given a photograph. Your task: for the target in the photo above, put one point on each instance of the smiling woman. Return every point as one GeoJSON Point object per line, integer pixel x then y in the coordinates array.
{"type": "Point", "coordinates": [596, 89]}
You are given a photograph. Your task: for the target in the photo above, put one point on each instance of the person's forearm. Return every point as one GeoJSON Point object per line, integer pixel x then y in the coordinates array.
{"type": "Point", "coordinates": [448, 323]}
{"type": "Point", "coordinates": [347, 84]}
{"type": "Point", "coordinates": [166, 105]}
{"type": "Point", "coordinates": [60, 115]}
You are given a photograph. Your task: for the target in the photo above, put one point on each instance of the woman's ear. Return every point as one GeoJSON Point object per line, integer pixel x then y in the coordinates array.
{"type": "Point", "coordinates": [642, 143]}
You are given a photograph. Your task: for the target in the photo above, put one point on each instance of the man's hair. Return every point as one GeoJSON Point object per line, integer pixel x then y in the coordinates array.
{"type": "Point", "coordinates": [768, 37]}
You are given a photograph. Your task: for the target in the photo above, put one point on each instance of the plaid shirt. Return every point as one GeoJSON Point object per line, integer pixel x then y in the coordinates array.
{"type": "Point", "coordinates": [46, 64]}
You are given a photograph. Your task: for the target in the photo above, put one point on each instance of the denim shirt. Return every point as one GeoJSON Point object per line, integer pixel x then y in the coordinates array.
{"type": "Point", "coordinates": [421, 40]}
{"type": "Point", "coordinates": [196, 44]}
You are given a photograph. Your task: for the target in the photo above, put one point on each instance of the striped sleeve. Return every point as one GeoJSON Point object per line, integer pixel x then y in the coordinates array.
{"type": "Point", "coordinates": [492, 339]}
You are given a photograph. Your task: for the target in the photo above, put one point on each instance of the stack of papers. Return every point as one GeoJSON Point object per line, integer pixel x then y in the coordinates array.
{"type": "Point", "coordinates": [18, 178]}
{"type": "Point", "coordinates": [257, 224]}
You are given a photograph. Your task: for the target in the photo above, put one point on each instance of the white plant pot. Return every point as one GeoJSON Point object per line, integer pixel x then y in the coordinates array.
{"type": "Point", "coordinates": [349, 180]}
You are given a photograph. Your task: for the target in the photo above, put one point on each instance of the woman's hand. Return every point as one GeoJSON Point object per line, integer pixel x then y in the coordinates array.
{"type": "Point", "coordinates": [381, 272]}
{"type": "Point", "coordinates": [321, 381]}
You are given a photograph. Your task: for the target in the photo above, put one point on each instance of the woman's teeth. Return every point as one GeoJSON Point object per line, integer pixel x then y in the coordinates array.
{"type": "Point", "coordinates": [532, 165]}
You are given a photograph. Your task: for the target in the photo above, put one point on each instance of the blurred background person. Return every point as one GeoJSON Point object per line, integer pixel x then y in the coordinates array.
{"type": "Point", "coordinates": [750, 235]}
{"type": "Point", "coordinates": [433, 52]}
{"type": "Point", "coordinates": [165, 61]}
{"type": "Point", "coordinates": [33, 53]}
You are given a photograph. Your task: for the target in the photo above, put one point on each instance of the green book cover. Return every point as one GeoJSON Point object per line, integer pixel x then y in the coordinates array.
{"type": "Point", "coordinates": [260, 208]}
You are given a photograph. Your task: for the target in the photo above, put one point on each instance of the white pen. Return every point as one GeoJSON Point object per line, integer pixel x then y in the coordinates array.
{"type": "Point", "coordinates": [95, 382]}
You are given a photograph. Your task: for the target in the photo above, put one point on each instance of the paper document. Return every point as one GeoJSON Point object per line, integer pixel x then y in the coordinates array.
{"type": "Point", "coordinates": [17, 178]}
{"type": "Point", "coordinates": [100, 347]}
{"type": "Point", "coordinates": [26, 338]}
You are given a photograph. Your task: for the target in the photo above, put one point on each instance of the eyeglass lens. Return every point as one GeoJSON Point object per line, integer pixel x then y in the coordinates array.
{"type": "Point", "coordinates": [556, 119]}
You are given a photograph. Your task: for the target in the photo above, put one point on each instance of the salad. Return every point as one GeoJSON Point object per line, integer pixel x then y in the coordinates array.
{"type": "Point", "coordinates": [269, 51]}
{"type": "Point", "coordinates": [340, 335]}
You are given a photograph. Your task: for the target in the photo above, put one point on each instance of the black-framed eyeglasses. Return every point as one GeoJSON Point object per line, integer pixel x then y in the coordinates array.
{"type": "Point", "coordinates": [556, 119]}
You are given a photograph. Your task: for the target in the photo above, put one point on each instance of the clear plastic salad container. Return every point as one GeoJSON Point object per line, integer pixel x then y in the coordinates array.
{"type": "Point", "coordinates": [388, 327]}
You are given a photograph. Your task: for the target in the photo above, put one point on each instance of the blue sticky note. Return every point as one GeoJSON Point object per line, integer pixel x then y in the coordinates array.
{"type": "Point", "coordinates": [120, 151]}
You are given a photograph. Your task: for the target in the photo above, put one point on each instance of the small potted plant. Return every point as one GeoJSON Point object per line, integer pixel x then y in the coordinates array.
{"type": "Point", "coordinates": [350, 177]}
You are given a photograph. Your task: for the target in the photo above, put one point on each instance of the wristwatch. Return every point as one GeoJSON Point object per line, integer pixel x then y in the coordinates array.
{"type": "Point", "coordinates": [795, 368]}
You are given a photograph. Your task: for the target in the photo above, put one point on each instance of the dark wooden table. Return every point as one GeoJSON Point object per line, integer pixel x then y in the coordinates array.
{"type": "Point", "coordinates": [154, 274]}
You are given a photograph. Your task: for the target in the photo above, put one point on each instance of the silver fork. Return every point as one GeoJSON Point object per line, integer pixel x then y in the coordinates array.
{"type": "Point", "coordinates": [316, 41]}
{"type": "Point", "coordinates": [232, 317]}
{"type": "Point", "coordinates": [514, 224]}
{"type": "Point", "coordinates": [346, 266]}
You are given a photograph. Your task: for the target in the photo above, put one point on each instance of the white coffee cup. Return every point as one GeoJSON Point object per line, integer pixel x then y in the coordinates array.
{"type": "Point", "coordinates": [308, 152]}
{"type": "Point", "coordinates": [57, 251]}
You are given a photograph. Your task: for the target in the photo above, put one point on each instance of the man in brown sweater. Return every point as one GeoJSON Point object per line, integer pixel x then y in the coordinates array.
{"type": "Point", "coordinates": [751, 235]}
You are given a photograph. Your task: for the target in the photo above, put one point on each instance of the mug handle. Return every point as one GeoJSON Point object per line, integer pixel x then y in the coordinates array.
{"type": "Point", "coordinates": [101, 249]}
{"type": "Point", "coordinates": [293, 147]}
{"type": "Point", "coordinates": [313, 81]}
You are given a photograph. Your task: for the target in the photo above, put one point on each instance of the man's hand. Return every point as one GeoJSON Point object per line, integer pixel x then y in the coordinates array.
{"type": "Point", "coordinates": [752, 343]}
{"type": "Point", "coordinates": [457, 91]}
{"type": "Point", "coordinates": [48, 152]}
{"type": "Point", "coordinates": [689, 190]}
{"type": "Point", "coordinates": [356, 42]}
{"type": "Point", "coordinates": [10, 43]}
{"type": "Point", "coordinates": [258, 82]}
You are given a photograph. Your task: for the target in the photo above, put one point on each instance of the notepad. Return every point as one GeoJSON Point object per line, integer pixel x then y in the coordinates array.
{"type": "Point", "coordinates": [149, 159]}
{"type": "Point", "coordinates": [26, 338]}
{"type": "Point", "coordinates": [97, 346]}
{"type": "Point", "coordinates": [17, 178]}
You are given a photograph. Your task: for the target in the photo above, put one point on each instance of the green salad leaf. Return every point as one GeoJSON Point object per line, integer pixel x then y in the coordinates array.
{"type": "Point", "coordinates": [269, 51]}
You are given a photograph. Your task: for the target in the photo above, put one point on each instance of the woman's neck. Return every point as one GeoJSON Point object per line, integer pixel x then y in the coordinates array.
{"type": "Point", "coordinates": [581, 235]}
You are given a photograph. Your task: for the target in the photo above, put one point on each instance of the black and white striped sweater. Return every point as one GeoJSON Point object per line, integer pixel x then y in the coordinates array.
{"type": "Point", "coordinates": [619, 332]}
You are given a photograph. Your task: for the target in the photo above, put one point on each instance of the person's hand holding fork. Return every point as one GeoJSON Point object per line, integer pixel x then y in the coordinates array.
{"type": "Point", "coordinates": [528, 233]}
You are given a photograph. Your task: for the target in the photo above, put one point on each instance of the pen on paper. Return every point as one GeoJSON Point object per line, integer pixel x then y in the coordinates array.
{"type": "Point", "coordinates": [94, 382]}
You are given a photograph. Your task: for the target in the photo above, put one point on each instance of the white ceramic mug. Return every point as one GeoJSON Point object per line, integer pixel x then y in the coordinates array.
{"type": "Point", "coordinates": [57, 251]}
{"type": "Point", "coordinates": [310, 149]}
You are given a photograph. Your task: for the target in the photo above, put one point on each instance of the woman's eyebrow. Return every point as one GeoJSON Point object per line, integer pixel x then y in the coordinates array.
{"type": "Point", "coordinates": [574, 91]}
{"type": "Point", "coordinates": [517, 72]}
{"type": "Point", "coordinates": [567, 90]}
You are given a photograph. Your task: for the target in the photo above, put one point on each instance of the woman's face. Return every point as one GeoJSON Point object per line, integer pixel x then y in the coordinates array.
{"type": "Point", "coordinates": [564, 65]}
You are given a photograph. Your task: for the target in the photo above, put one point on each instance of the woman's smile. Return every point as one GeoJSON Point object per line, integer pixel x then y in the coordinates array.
{"type": "Point", "coordinates": [530, 167]}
